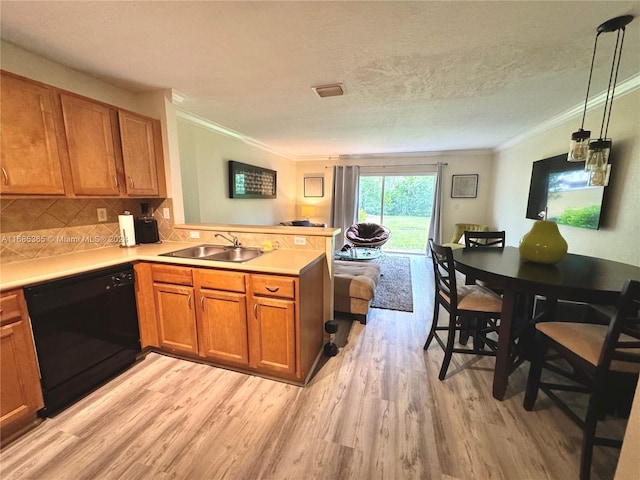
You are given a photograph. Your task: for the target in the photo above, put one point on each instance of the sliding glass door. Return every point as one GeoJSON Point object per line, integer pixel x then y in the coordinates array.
{"type": "Point", "coordinates": [403, 204]}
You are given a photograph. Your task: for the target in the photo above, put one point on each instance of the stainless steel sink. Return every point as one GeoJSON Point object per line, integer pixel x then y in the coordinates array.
{"type": "Point", "coordinates": [241, 254]}
{"type": "Point", "coordinates": [199, 251]}
{"type": "Point", "coordinates": [218, 253]}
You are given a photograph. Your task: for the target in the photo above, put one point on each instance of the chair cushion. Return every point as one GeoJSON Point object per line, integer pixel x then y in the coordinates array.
{"type": "Point", "coordinates": [586, 340]}
{"type": "Point", "coordinates": [476, 298]}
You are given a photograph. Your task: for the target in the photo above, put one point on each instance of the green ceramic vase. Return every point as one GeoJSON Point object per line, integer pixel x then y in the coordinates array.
{"type": "Point", "coordinates": [543, 244]}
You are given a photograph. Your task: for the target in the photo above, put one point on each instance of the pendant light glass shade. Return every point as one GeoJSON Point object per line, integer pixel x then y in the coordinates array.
{"type": "Point", "coordinates": [579, 146]}
{"type": "Point", "coordinates": [597, 163]}
{"type": "Point", "coordinates": [596, 155]}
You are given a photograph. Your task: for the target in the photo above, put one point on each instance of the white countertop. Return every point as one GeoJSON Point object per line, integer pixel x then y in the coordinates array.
{"type": "Point", "coordinates": [19, 274]}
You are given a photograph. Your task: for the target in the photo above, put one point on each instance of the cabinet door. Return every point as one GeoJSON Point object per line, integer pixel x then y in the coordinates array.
{"type": "Point", "coordinates": [88, 129]}
{"type": "Point", "coordinates": [30, 160]}
{"type": "Point", "coordinates": [176, 317]}
{"type": "Point", "coordinates": [20, 390]}
{"type": "Point", "coordinates": [223, 332]}
{"type": "Point", "coordinates": [138, 154]}
{"type": "Point", "coordinates": [273, 335]}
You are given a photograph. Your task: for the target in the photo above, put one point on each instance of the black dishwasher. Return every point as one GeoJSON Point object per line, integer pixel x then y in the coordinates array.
{"type": "Point", "coordinates": [85, 328]}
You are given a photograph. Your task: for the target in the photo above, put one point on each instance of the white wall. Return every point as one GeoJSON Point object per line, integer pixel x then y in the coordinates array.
{"type": "Point", "coordinates": [617, 239]}
{"type": "Point", "coordinates": [455, 210]}
{"type": "Point", "coordinates": [204, 156]}
{"type": "Point", "coordinates": [22, 62]}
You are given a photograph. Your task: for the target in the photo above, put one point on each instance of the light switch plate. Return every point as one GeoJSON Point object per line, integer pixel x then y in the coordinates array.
{"type": "Point", "coordinates": [166, 213]}
{"type": "Point", "coordinates": [194, 234]}
{"type": "Point", "coordinates": [102, 214]}
{"type": "Point", "coordinates": [299, 240]}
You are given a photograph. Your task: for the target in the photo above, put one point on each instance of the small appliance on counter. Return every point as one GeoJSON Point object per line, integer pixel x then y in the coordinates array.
{"type": "Point", "coordinates": [146, 227]}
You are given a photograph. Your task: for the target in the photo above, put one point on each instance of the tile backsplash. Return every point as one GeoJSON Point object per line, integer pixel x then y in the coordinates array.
{"type": "Point", "coordinates": [35, 228]}
{"type": "Point", "coordinates": [38, 228]}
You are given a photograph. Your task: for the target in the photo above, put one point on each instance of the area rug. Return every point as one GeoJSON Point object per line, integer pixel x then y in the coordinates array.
{"type": "Point", "coordinates": [394, 291]}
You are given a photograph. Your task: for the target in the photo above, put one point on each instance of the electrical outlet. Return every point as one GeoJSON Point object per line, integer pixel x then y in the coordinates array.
{"type": "Point", "coordinates": [194, 234]}
{"type": "Point", "coordinates": [102, 214]}
{"type": "Point", "coordinates": [166, 213]}
{"type": "Point", "coordinates": [299, 240]}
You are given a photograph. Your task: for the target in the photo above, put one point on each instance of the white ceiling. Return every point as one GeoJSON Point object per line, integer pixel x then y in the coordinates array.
{"type": "Point", "coordinates": [419, 76]}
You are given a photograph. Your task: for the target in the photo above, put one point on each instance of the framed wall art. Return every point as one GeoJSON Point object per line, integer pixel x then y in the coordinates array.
{"type": "Point", "coordinates": [249, 181]}
{"type": "Point", "coordinates": [314, 186]}
{"type": "Point", "coordinates": [464, 186]}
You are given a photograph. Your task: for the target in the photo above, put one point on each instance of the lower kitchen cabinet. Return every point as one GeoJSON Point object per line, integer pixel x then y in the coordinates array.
{"type": "Point", "coordinates": [223, 332]}
{"type": "Point", "coordinates": [21, 395]}
{"type": "Point", "coordinates": [274, 335]}
{"type": "Point", "coordinates": [271, 325]}
{"type": "Point", "coordinates": [176, 317]}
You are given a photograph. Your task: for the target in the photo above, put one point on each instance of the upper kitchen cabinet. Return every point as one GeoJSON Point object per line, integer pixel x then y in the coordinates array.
{"type": "Point", "coordinates": [141, 155]}
{"type": "Point", "coordinates": [88, 129]}
{"type": "Point", "coordinates": [55, 142]}
{"type": "Point", "coordinates": [30, 159]}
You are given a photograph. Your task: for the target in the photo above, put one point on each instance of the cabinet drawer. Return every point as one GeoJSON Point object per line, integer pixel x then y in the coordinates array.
{"type": "Point", "coordinates": [283, 287]}
{"type": "Point", "coordinates": [171, 274]}
{"type": "Point", "coordinates": [10, 308]}
{"type": "Point", "coordinates": [221, 280]}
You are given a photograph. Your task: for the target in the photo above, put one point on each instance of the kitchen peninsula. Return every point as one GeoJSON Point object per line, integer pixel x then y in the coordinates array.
{"type": "Point", "coordinates": [262, 317]}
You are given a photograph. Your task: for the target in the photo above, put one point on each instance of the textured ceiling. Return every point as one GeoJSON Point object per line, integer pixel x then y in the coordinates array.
{"type": "Point", "coordinates": [418, 76]}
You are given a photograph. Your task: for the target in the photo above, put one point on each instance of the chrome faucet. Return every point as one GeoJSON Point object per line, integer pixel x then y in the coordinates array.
{"type": "Point", "coordinates": [233, 239]}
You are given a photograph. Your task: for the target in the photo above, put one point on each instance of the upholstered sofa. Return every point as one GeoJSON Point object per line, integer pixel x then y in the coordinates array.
{"type": "Point", "coordinates": [354, 287]}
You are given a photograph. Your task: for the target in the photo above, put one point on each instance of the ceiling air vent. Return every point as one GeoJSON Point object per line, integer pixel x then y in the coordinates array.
{"type": "Point", "coordinates": [333, 90]}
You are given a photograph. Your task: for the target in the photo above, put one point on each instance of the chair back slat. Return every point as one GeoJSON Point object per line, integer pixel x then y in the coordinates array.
{"type": "Point", "coordinates": [494, 239]}
{"type": "Point", "coordinates": [444, 271]}
{"type": "Point", "coordinates": [627, 321]}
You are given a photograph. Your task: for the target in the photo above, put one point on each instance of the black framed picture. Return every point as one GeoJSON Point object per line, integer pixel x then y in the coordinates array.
{"type": "Point", "coordinates": [464, 186]}
{"type": "Point", "coordinates": [249, 181]}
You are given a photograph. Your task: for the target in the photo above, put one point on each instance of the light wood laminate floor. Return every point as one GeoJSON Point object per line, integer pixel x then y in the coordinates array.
{"type": "Point", "coordinates": [375, 411]}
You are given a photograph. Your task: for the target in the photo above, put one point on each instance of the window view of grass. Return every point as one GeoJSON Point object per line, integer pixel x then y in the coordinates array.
{"type": "Point", "coordinates": [403, 204]}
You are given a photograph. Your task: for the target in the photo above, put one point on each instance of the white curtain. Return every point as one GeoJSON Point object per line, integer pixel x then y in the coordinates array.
{"type": "Point", "coordinates": [435, 227]}
{"type": "Point", "coordinates": [344, 202]}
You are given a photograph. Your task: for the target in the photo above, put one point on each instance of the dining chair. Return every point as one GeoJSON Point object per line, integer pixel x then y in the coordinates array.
{"type": "Point", "coordinates": [598, 355]}
{"type": "Point", "coordinates": [494, 239]}
{"type": "Point", "coordinates": [469, 307]}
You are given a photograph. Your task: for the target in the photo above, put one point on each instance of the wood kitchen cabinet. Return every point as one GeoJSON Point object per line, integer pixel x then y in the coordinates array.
{"type": "Point", "coordinates": [140, 150]}
{"type": "Point", "coordinates": [175, 308]}
{"type": "Point", "coordinates": [222, 316]}
{"type": "Point", "coordinates": [88, 127]}
{"type": "Point", "coordinates": [55, 142]}
{"type": "Point", "coordinates": [271, 325]}
{"type": "Point", "coordinates": [21, 395]}
{"type": "Point", "coordinates": [29, 150]}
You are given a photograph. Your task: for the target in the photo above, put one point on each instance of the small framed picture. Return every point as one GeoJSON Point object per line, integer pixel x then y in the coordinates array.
{"type": "Point", "coordinates": [464, 186]}
{"type": "Point", "coordinates": [314, 186]}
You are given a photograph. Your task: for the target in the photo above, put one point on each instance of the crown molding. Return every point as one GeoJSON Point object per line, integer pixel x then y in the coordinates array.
{"type": "Point", "coordinates": [216, 128]}
{"type": "Point", "coordinates": [623, 88]}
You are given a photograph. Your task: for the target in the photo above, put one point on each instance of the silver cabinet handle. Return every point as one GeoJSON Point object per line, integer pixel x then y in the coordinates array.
{"type": "Point", "coordinates": [115, 178]}
{"type": "Point", "coordinates": [6, 176]}
{"type": "Point", "coordinates": [189, 301]}
{"type": "Point", "coordinates": [131, 181]}
{"type": "Point", "coordinates": [202, 303]}
{"type": "Point", "coordinates": [272, 289]}
{"type": "Point", "coordinates": [255, 310]}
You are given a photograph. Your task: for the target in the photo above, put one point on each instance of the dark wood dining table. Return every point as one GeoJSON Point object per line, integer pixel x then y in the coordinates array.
{"type": "Point", "coordinates": [575, 278]}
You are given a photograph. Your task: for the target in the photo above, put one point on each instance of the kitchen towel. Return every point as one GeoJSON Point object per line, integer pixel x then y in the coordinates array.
{"type": "Point", "coordinates": [127, 230]}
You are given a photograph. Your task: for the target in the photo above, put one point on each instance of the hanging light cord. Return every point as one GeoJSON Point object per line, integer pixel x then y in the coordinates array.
{"type": "Point", "coordinates": [616, 64]}
{"type": "Point", "coordinates": [586, 98]}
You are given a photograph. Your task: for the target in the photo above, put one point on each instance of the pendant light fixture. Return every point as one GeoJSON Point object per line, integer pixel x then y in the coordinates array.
{"type": "Point", "coordinates": [595, 153]}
